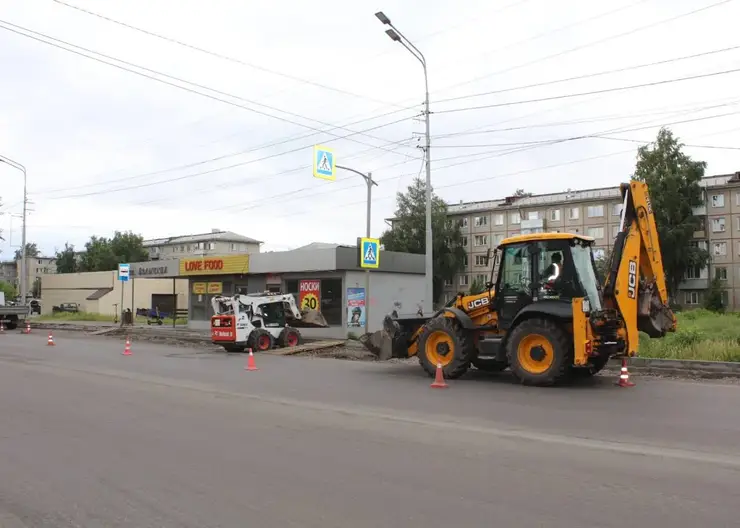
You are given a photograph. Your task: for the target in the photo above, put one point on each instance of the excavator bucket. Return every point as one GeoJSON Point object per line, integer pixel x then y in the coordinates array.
{"type": "Point", "coordinates": [310, 319]}
{"type": "Point", "coordinates": [394, 339]}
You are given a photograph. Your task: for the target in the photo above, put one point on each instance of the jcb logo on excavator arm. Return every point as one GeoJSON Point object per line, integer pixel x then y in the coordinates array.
{"type": "Point", "coordinates": [632, 279]}
{"type": "Point", "coordinates": [472, 305]}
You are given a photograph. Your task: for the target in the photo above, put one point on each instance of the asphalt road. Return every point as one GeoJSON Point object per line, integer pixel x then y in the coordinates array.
{"type": "Point", "coordinates": [172, 437]}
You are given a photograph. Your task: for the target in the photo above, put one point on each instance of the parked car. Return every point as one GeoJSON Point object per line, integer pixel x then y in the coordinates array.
{"type": "Point", "coordinates": [66, 307]}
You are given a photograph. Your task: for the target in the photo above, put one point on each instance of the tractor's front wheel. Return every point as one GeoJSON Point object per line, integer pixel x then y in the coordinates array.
{"type": "Point", "coordinates": [445, 343]}
{"type": "Point", "coordinates": [539, 353]}
{"type": "Point", "coordinates": [261, 340]}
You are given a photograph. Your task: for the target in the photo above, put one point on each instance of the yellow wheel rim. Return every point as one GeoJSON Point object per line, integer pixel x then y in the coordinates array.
{"type": "Point", "coordinates": [440, 348]}
{"type": "Point", "coordinates": [535, 354]}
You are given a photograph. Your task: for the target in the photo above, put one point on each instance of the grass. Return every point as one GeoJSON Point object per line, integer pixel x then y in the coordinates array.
{"type": "Point", "coordinates": [701, 335]}
{"type": "Point", "coordinates": [96, 317]}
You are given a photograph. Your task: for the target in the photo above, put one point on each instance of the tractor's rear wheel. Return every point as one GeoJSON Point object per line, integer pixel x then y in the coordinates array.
{"type": "Point", "coordinates": [289, 337]}
{"type": "Point", "coordinates": [261, 340]}
{"type": "Point", "coordinates": [445, 343]}
{"type": "Point", "coordinates": [539, 353]}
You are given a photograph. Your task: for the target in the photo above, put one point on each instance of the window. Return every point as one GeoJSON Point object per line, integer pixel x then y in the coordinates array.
{"type": "Point", "coordinates": [533, 215]}
{"type": "Point", "coordinates": [480, 221]}
{"type": "Point", "coordinates": [481, 278]}
{"type": "Point", "coordinates": [720, 273]}
{"type": "Point", "coordinates": [692, 297]}
{"type": "Point", "coordinates": [615, 231]}
{"type": "Point", "coordinates": [448, 283]}
{"type": "Point", "coordinates": [481, 260]}
{"type": "Point", "coordinates": [737, 198]}
{"type": "Point", "coordinates": [497, 239]}
{"type": "Point", "coordinates": [514, 218]}
{"type": "Point", "coordinates": [702, 244]}
{"type": "Point", "coordinates": [463, 222]}
{"type": "Point", "coordinates": [718, 200]}
{"type": "Point", "coordinates": [464, 241]}
{"type": "Point", "coordinates": [498, 219]}
{"type": "Point", "coordinates": [617, 209]}
{"type": "Point", "coordinates": [463, 280]}
{"type": "Point", "coordinates": [574, 213]}
{"type": "Point", "coordinates": [594, 211]}
{"type": "Point", "coordinates": [595, 232]}
{"type": "Point", "coordinates": [555, 215]}
{"type": "Point", "coordinates": [330, 295]}
{"type": "Point", "coordinates": [719, 249]}
{"type": "Point", "coordinates": [480, 240]}
{"type": "Point", "coordinates": [516, 275]}
{"type": "Point", "coordinates": [465, 261]}
{"type": "Point", "coordinates": [718, 224]}
{"type": "Point", "coordinates": [694, 272]}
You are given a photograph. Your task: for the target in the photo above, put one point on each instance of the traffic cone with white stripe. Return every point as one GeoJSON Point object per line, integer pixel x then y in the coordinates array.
{"type": "Point", "coordinates": [251, 365]}
{"type": "Point", "coordinates": [624, 376]}
{"type": "Point", "coordinates": [28, 328]}
{"type": "Point", "coordinates": [127, 348]}
{"type": "Point", "coordinates": [2, 328]}
{"type": "Point", "coordinates": [50, 341]}
{"type": "Point", "coordinates": [439, 379]}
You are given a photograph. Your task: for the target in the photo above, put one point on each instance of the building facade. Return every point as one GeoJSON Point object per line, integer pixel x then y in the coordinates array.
{"type": "Point", "coordinates": [596, 213]}
{"type": "Point", "coordinates": [216, 242]}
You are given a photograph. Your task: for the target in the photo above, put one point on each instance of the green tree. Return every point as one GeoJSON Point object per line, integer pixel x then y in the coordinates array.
{"type": "Point", "coordinates": [8, 289]}
{"type": "Point", "coordinates": [408, 233]}
{"type": "Point", "coordinates": [673, 179]}
{"type": "Point", "coordinates": [477, 286]}
{"type": "Point", "coordinates": [104, 254]}
{"type": "Point", "coordinates": [32, 251]}
{"type": "Point", "coordinates": [519, 193]}
{"type": "Point", "coordinates": [67, 260]}
{"type": "Point", "coordinates": [602, 264]}
{"type": "Point", "coordinates": [36, 288]}
{"type": "Point", "coordinates": [713, 301]}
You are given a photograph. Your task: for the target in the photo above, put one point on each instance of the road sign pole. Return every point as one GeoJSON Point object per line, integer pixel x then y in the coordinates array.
{"type": "Point", "coordinates": [370, 182]}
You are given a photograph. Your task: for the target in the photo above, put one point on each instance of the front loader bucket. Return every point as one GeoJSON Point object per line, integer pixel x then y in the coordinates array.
{"type": "Point", "coordinates": [310, 319]}
{"type": "Point", "coordinates": [394, 339]}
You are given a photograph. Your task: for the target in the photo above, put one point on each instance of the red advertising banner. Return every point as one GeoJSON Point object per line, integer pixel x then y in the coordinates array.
{"type": "Point", "coordinates": [309, 295]}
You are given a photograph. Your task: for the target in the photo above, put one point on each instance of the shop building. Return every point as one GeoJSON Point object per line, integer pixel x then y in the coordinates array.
{"type": "Point", "coordinates": [328, 277]}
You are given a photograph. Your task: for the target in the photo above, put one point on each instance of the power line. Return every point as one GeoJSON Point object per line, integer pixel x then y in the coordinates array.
{"type": "Point", "coordinates": [592, 92]}
{"type": "Point", "coordinates": [652, 141]}
{"type": "Point", "coordinates": [593, 43]}
{"type": "Point", "coordinates": [590, 75]}
{"type": "Point", "coordinates": [222, 56]}
{"type": "Point", "coordinates": [178, 79]}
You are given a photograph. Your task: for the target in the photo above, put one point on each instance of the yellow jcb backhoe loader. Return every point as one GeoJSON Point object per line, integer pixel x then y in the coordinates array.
{"type": "Point", "coordinates": [545, 314]}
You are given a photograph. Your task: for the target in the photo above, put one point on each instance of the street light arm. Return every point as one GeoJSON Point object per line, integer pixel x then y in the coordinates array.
{"type": "Point", "coordinates": [364, 176]}
{"type": "Point", "coordinates": [12, 163]}
{"type": "Point", "coordinates": [406, 42]}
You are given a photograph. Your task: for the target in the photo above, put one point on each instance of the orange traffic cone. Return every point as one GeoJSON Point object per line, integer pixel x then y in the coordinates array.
{"type": "Point", "coordinates": [50, 341]}
{"type": "Point", "coordinates": [2, 328]}
{"type": "Point", "coordinates": [127, 348]}
{"type": "Point", "coordinates": [439, 379]}
{"type": "Point", "coordinates": [250, 362]}
{"type": "Point", "coordinates": [624, 376]}
{"type": "Point", "coordinates": [28, 328]}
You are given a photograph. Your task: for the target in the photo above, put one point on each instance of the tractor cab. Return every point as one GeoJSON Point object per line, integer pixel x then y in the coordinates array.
{"type": "Point", "coordinates": [543, 272]}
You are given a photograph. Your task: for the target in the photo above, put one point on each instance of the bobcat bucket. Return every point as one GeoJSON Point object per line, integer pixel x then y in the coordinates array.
{"type": "Point", "coordinates": [310, 319]}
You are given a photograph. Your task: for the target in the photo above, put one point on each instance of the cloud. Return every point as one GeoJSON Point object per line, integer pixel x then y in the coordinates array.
{"type": "Point", "coordinates": [143, 147]}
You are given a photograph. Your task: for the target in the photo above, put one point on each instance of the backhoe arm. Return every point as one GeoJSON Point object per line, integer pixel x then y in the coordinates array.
{"type": "Point", "coordinates": [635, 283]}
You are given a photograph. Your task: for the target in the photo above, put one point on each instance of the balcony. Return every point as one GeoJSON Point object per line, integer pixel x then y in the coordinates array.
{"type": "Point", "coordinates": [531, 225]}
{"type": "Point", "coordinates": [700, 210]}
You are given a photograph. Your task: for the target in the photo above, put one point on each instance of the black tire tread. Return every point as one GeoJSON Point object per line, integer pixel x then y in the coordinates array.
{"type": "Point", "coordinates": [461, 361]}
{"type": "Point", "coordinates": [561, 346]}
{"type": "Point", "coordinates": [283, 339]}
{"type": "Point", "coordinates": [254, 336]}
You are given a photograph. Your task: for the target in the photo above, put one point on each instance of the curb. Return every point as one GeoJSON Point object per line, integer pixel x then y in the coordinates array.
{"type": "Point", "coordinates": [679, 367]}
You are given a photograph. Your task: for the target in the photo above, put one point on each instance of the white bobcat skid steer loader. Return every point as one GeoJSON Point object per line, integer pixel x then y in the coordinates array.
{"type": "Point", "coordinates": [260, 321]}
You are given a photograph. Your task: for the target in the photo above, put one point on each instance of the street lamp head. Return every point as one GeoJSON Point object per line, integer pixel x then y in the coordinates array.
{"type": "Point", "coordinates": [384, 19]}
{"type": "Point", "coordinates": [393, 35]}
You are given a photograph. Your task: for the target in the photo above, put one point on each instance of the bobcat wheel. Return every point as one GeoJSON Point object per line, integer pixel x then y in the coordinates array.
{"type": "Point", "coordinates": [261, 340]}
{"type": "Point", "coordinates": [445, 343]}
{"type": "Point", "coordinates": [539, 353]}
{"type": "Point", "coordinates": [289, 337]}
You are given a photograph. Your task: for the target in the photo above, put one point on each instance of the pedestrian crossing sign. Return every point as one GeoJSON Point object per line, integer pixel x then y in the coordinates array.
{"type": "Point", "coordinates": [323, 163]}
{"type": "Point", "coordinates": [369, 253]}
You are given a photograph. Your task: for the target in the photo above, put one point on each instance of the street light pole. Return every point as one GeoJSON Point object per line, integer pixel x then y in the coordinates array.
{"type": "Point", "coordinates": [24, 286]}
{"type": "Point", "coordinates": [370, 182]}
{"type": "Point", "coordinates": [397, 36]}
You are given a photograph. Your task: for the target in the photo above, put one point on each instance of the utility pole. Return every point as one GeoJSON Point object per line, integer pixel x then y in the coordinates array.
{"type": "Point", "coordinates": [370, 182]}
{"type": "Point", "coordinates": [397, 36]}
{"type": "Point", "coordinates": [24, 266]}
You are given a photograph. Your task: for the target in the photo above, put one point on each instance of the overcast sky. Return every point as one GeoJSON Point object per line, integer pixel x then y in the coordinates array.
{"type": "Point", "coordinates": [108, 149]}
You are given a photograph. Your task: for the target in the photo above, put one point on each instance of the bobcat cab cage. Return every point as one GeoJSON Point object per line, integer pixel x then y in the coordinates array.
{"type": "Point", "coordinates": [545, 313]}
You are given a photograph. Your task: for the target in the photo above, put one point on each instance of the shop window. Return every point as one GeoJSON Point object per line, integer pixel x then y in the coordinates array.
{"type": "Point", "coordinates": [331, 298]}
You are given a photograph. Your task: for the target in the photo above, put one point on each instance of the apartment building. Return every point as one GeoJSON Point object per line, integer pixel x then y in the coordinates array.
{"type": "Point", "coordinates": [216, 242]}
{"type": "Point", "coordinates": [36, 267]}
{"type": "Point", "coordinates": [596, 213]}
{"type": "Point", "coordinates": [8, 271]}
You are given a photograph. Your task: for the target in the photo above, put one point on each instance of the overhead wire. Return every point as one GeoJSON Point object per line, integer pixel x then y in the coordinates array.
{"type": "Point", "coordinates": [86, 53]}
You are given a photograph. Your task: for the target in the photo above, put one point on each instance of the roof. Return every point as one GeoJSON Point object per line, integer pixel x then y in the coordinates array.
{"type": "Point", "coordinates": [545, 236]}
{"type": "Point", "coordinates": [224, 236]}
{"type": "Point", "coordinates": [97, 294]}
{"type": "Point", "coordinates": [318, 245]}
